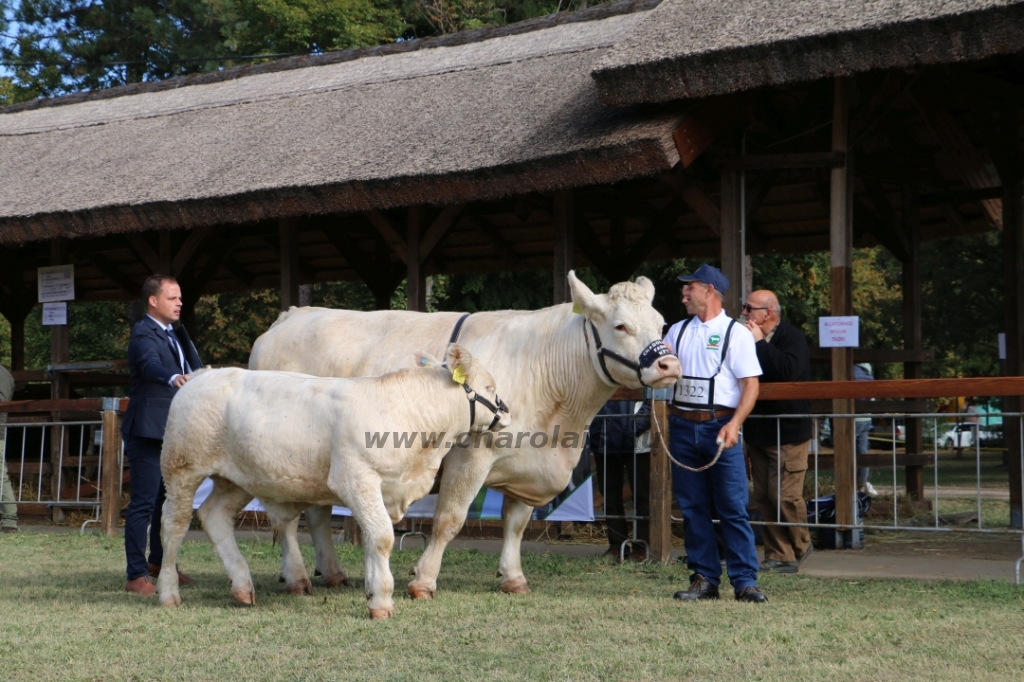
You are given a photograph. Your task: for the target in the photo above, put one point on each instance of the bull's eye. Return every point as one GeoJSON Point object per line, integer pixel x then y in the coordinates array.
{"type": "Point", "coordinates": [490, 389]}
{"type": "Point", "coordinates": [620, 327]}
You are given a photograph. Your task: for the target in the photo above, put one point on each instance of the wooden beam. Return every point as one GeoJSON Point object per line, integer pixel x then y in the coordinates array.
{"type": "Point", "coordinates": [415, 281]}
{"type": "Point", "coordinates": [390, 231]}
{"type": "Point", "coordinates": [878, 356]}
{"type": "Point", "coordinates": [217, 254]}
{"type": "Point", "coordinates": [189, 250]}
{"type": "Point", "coordinates": [563, 227]}
{"type": "Point", "coordinates": [891, 234]}
{"type": "Point", "coordinates": [289, 259]}
{"type": "Point", "coordinates": [145, 252]}
{"type": "Point", "coordinates": [960, 196]}
{"type": "Point", "coordinates": [661, 486]}
{"type": "Point", "coordinates": [893, 86]}
{"type": "Point", "coordinates": [893, 388]}
{"type": "Point", "coordinates": [699, 130]}
{"type": "Point", "coordinates": [691, 191]}
{"type": "Point", "coordinates": [732, 250]}
{"type": "Point", "coordinates": [841, 289]}
{"type": "Point", "coordinates": [758, 192]}
{"type": "Point", "coordinates": [438, 229]}
{"type": "Point", "coordinates": [589, 245]}
{"type": "Point", "coordinates": [758, 162]}
{"type": "Point", "coordinates": [490, 232]}
{"type": "Point", "coordinates": [111, 271]}
{"type": "Point", "coordinates": [380, 278]}
{"type": "Point", "coordinates": [912, 339]}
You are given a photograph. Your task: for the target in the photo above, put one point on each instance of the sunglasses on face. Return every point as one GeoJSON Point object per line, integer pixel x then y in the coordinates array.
{"type": "Point", "coordinates": [749, 308]}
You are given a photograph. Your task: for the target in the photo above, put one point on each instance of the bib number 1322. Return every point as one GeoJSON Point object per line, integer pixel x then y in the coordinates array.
{"type": "Point", "coordinates": [694, 390]}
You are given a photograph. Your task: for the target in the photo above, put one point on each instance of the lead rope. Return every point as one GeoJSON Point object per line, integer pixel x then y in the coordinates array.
{"type": "Point", "coordinates": [661, 437]}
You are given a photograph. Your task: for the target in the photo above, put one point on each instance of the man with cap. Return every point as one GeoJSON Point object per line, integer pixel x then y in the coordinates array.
{"type": "Point", "coordinates": [717, 391]}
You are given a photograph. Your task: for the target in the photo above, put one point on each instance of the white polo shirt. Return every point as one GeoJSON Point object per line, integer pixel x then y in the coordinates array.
{"type": "Point", "coordinates": [700, 355]}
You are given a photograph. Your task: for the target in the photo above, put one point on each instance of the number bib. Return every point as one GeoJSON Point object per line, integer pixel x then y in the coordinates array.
{"type": "Point", "coordinates": [695, 392]}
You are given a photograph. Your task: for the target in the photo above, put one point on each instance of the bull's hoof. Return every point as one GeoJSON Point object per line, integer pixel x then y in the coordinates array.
{"type": "Point", "coordinates": [172, 602]}
{"type": "Point", "coordinates": [317, 573]}
{"type": "Point", "coordinates": [515, 587]}
{"type": "Point", "coordinates": [337, 580]}
{"type": "Point", "coordinates": [382, 614]}
{"type": "Point", "coordinates": [245, 596]}
{"type": "Point", "coordinates": [280, 577]}
{"type": "Point", "coordinates": [417, 591]}
{"type": "Point", "coordinates": [301, 588]}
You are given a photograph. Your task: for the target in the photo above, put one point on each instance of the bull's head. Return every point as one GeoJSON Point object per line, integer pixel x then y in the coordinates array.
{"type": "Point", "coordinates": [623, 333]}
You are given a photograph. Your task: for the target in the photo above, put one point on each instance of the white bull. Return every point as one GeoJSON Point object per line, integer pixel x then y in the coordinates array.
{"type": "Point", "coordinates": [551, 366]}
{"type": "Point", "coordinates": [294, 440]}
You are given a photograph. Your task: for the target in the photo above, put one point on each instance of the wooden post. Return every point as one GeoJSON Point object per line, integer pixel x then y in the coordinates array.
{"type": "Point", "coordinates": [661, 486]}
{"type": "Point", "coordinates": [289, 263]}
{"type": "Point", "coordinates": [416, 279]}
{"type": "Point", "coordinates": [166, 254]}
{"type": "Point", "coordinates": [110, 473]}
{"type": "Point", "coordinates": [565, 244]}
{"type": "Point", "coordinates": [59, 388]}
{"type": "Point", "coordinates": [1013, 274]}
{"type": "Point", "coordinates": [732, 241]}
{"type": "Point", "coordinates": [912, 330]}
{"type": "Point", "coordinates": [841, 243]}
{"type": "Point", "coordinates": [17, 343]}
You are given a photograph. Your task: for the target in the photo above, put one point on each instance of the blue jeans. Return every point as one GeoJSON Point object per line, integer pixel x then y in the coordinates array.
{"type": "Point", "coordinates": [145, 506]}
{"type": "Point", "coordinates": [723, 488]}
{"type": "Point", "coordinates": [861, 443]}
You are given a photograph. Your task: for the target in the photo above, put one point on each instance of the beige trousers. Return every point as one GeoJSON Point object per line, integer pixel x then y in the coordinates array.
{"type": "Point", "coordinates": [778, 494]}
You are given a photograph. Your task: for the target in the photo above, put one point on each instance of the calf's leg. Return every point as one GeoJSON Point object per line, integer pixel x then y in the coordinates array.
{"type": "Point", "coordinates": [378, 540]}
{"type": "Point", "coordinates": [460, 483]}
{"type": "Point", "coordinates": [516, 515]}
{"type": "Point", "coordinates": [218, 514]}
{"type": "Point", "coordinates": [327, 564]}
{"type": "Point", "coordinates": [284, 519]}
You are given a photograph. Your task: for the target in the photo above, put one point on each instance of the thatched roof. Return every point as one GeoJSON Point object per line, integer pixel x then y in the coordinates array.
{"type": "Point", "coordinates": [438, 125]}
{"type": "Point", "coordinates": [697, 48]}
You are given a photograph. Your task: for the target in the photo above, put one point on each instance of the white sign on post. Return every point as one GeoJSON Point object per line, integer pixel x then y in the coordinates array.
{"type": "Point", "coordinates": [56, 283]}
{"type": "Point", "coordinates": [55, 313]}
{"type": "Point", "coordinates": [839, 332]}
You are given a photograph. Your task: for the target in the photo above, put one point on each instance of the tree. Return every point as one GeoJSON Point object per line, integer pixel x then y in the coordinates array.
{"type": "Point", "coordinates": [276, 26]}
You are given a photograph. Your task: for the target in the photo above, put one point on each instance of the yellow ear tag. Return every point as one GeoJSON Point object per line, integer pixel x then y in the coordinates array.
{"type": "Point", "coordinates": [576, 309]}
{"type": "Point", "coordinates": [459, 375]}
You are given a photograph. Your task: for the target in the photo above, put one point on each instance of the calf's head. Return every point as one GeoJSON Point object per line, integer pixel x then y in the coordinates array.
{"type": "Point", "coordinates": [486, 409]}
{"type": "Point", "coordinates": [623, 334]}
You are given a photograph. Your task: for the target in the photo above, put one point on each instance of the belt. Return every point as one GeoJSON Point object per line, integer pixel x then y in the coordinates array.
{"type": "Point", "coordinates": [700, 415]}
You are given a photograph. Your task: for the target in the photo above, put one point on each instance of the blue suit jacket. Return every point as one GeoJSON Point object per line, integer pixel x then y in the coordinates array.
{"type": "Point", "coordinates": [151, 364]}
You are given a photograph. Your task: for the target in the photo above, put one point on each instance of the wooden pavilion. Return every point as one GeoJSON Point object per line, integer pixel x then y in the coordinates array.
{"type": "Point", "coordinates": [632, 131]}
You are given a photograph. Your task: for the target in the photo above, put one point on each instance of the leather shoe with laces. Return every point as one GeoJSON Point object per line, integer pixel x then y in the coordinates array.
{"type": "Point", "coordinates": [780, 566]}
{"type": "Point", "coordinates": [143, 586]}
{"type": "Point", "coordinates": [752, 594]}
{"type": "Point", "coordinates": [154, 572]}
{"type": "Point", "coordinates": [700, 590]}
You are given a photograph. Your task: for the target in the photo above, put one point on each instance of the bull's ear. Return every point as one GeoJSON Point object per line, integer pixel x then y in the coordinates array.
{"type": "Point", "coordinates": [647, 286]}
{"type": "Point", "coordinates": [585, 301]}
{"type": "Point", "coordinates": [425, 359]}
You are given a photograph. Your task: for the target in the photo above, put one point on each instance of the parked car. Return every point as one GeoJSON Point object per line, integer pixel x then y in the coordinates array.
{"type": "Point", "coordinates": [963, 435]}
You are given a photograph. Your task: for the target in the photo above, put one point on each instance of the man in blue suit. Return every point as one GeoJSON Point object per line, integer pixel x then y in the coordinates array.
{"type": "Point", "coordinates": [161, 358]}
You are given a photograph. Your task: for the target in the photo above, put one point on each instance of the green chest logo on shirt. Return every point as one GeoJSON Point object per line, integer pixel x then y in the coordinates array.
{"type": "Point", "coordinates": [713, 342]}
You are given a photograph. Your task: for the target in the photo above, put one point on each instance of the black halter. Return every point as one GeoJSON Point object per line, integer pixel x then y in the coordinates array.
{"type": "Point", "coordinates": [654, 350]}
{"type": "Point", "coordinates": [475, 398]}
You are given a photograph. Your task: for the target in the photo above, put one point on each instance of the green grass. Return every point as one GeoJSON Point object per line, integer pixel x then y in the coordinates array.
{"type": "Point", "coordinates": [64, 616]}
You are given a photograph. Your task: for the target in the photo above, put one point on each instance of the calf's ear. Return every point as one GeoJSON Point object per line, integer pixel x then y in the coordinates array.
{"type": "Point", "coordinates": [585, 301]}
{"type": "Point", "coordinates": [458, 358]}
{"type": "Point", "coordinates": [425, 359]}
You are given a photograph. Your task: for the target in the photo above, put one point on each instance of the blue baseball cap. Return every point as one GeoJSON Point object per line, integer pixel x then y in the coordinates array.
{"type": "Point", "coordinates": [708, 274]}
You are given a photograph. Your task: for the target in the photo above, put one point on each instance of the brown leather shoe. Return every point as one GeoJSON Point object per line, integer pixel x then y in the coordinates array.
{"type": "Point", "coordinates": [154, 572]}
{"type": "Point", "coordinates": [143, 586]}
